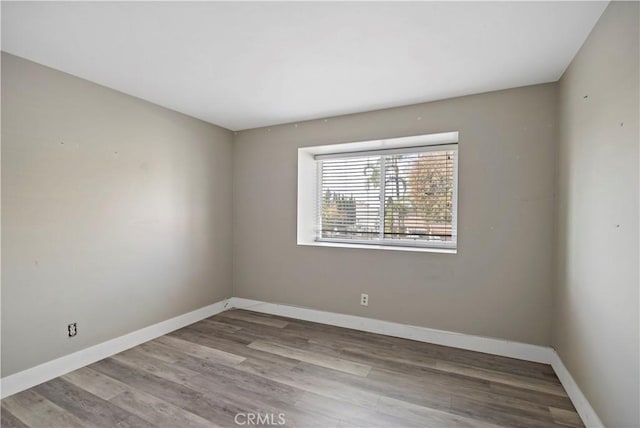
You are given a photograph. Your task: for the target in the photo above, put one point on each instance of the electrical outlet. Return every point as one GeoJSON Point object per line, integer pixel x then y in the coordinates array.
{"type": "Point", "coordinates": [72, 329]}
{"type": "Point", "coordinates": [364, 299]}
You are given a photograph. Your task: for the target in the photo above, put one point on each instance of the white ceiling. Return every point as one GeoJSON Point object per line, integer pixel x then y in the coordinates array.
{"type": "Point", "coordinates": [244, 65]}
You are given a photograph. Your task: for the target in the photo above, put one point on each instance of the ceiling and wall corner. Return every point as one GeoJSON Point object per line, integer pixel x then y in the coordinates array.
{"type": "Point", "coordinates": [242, 74]}
{"type": "Point", "coordinates": [596, 326]}
{"type": "Point", "coordinates": [251, 64]}
{"type": "Point", "coordinates": [499, 282]}
{"type": "Point", "coordinates": [115, 213]}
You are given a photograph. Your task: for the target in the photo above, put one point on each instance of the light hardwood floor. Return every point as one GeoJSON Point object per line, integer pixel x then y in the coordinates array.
{"type": "Point", "coordinates": [241, 362]}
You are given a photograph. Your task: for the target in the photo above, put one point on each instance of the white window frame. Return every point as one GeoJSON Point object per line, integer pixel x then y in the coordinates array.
{"type": "Point", "coordinates": [309, 177]}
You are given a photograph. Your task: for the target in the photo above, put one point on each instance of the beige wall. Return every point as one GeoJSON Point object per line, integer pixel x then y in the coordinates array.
{"type": "Point", "coordinates": [115, 213]}
{"type": "Point", "coordinates": [499, 283]}
{"type": "Point", "coordinates": [596, 315]}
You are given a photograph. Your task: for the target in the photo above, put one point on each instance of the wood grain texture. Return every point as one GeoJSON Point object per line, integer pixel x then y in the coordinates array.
{"type": "Point", "coordinates": [314, 375]}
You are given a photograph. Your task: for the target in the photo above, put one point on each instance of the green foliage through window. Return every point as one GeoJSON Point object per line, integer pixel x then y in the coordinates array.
{"type": "Point", "coordinates": [417, 193]}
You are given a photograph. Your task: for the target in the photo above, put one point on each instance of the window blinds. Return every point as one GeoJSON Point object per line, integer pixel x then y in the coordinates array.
{"type": "Point", "coordinates": [391, 197]}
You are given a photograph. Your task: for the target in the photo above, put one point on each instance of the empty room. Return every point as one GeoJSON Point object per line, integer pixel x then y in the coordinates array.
{"type": "Point", "coordinates": [320, 214]}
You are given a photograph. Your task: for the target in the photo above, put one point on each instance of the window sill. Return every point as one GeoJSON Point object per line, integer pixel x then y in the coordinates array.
{"type": "Point", "coordinates": [381, 247]}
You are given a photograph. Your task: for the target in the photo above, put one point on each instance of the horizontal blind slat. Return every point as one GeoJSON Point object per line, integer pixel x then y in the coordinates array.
{"type": "Point", "coordinates": [418, 197]}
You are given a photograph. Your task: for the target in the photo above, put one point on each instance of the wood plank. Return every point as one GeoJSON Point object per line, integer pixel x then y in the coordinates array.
{"type": "Point", "coordinates": [231, 346]}
{"type": "Point", "coordinates": [499, 413]}
{"type": "Point", "coordinates": [565, 417]}
{"type": "Point", "coordinates": [87, 407]}
{"type": "Point", "coordinates": [504, 378]}
{"type": "Point", "coordinates": [200, 351]}
{"type": "Point", "coordinates": [231, 377]}
{"type": "Point", "coordinates": [218, 412]}
{"type": "Point", "coordinates": [139, 360]}
{"type": "Point", "coordinates": [256, 331]}
{"type": "Point", "coordinates": [323, 387]}
{"type": "Point", "coordinates": [254, 318]}
{"type": "Point", "coordinates": [427, 416]}
{"type": "Point", "coordinates": [315, 375]}
{"type": "Point", "coordinates": [36, 411]}
{"type": "Point", "coordinates": [534, 397]}
{"type": "Point", "coordinates": [219, 325]}
{"type": "Point", "coordinates": [158, 411]}
{"type": "Point", "coordinates": [160, 351]}
{"type": "Point", "coordinates": [95, 383]}
{"type": "Point", "coordinates": [433, 398]}
{"type": "Point", "coordinates": [8, 420]}
{"type": "Point", "coordinates": [312, 358]}
{"type": "Point", "coordinates": [414, 350]}
{"type": "Point", "coordinates": [352, 415]}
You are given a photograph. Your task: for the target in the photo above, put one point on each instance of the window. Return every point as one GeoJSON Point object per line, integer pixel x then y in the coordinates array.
{"type": "Point", "coordinates": [403, 196]}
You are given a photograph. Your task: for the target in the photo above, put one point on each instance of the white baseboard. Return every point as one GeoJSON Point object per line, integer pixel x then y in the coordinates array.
{"type": "Point", "coordinates": [587, 413]}
{"type": "Point", "coordinates": [25, 379]}
{"type": "Point", "coordinates": [488, 345]}
{"type": "Point", "coordinates": [540, 354]}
